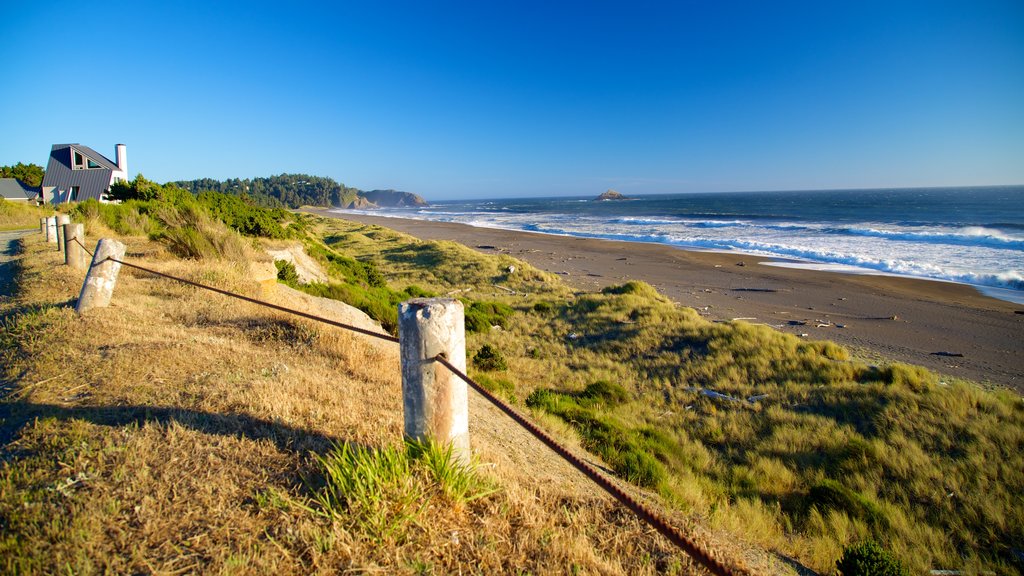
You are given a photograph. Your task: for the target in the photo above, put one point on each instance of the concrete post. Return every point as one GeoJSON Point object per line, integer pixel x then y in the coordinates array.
{"type": "Point", "coordinates": [62, 219]}
{"type": "Point", "coordinates": [42, 226]}
{"type": "Point", "coordinates": [102, 276]}
{"type": "Point", "coordinates": [51, 229]}
{"type": "Point", "coordinates": [74, 255]}
{"type": "Point", "coordinates": [436, 402]}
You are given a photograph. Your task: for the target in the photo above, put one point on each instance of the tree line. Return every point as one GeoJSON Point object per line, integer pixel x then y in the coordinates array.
{"type": "Point", "coordinates": [29, 174]}
{"type": "Point", "coordinates": [284, 190]}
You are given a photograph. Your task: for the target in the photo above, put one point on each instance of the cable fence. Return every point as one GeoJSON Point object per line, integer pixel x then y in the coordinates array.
{"type": "Point", "coordinates": [687, 544]}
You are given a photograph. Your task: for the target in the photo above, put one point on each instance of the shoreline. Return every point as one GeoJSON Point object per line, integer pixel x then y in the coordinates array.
{"type": "Point", "coordinates": [918, 321]}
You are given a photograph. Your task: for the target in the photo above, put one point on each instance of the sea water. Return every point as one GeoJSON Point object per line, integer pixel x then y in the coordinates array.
{"type": "Point", "coordinates": [967, 235]}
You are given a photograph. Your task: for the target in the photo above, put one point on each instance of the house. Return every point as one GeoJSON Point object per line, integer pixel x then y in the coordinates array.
{"type": "Point", "coordinates": [15, 190]}
{"type": "Point", "coordinates": [76, 173]}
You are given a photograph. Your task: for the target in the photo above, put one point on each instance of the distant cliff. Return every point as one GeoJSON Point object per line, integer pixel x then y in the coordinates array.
{"type": "Point", "coordinates": [294, 190]}
{"type": "Point", "coordinates": [394, 198]}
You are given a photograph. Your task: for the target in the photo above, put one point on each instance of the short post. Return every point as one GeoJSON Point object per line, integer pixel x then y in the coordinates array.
{"type": "Point", "coordinates": [436, 402]}
{"type": "Point", "coordinates": [102, 276]}
{"type": "Point", "coordinates": [51, 229]}
{"type": "Point", "coordinates": [62, 219]}
{"type": "Point", "coordinates": [74, 253]}
{"type": "Point", "coordinates": [42, 226]}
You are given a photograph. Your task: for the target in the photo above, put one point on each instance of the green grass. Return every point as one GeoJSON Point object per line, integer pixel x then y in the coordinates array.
{"type": "Point", "coordinates": [827, 452]}
{"type": "Point", "coordinates": [381, 492]}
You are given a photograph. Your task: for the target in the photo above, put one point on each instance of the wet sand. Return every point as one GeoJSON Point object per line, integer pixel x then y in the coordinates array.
{"type": "Point", "coordinates": [950, 328]}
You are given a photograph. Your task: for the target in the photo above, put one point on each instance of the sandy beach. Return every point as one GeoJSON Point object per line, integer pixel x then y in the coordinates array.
{"type": "Point", "coordinates": [950, 328]}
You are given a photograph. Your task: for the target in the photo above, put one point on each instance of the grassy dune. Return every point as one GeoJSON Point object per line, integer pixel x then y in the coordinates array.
{"type": "Point", "coordinates": [827, 452]}
{"type": "Point", "coordinates": [181, 432]}
{"type": "Point", "coordinates": [779, 442]}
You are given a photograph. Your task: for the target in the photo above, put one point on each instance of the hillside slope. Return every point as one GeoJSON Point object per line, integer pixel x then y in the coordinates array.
{"type": "Point", "coordinates": [181, 431]}
{"type": "Point", "coordinates": [294, 190]}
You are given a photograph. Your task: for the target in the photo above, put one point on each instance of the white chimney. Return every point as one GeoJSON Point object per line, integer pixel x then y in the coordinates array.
{"type": "Point", "coordinates": [122, 159]}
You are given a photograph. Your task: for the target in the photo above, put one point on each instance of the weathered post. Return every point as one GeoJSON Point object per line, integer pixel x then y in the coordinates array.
{"type": "Point", "coordinates": [436, 402]}
{"type": "Point", "coordinates": [51, 229]}
{"type": "Point", "coordinates": [62, 219]}
{"type": "Point", "coordinates": [74, 253]}
{"type": "Point", "coordinates": [102, 276]}
{"type": "Point", "coordinates": [42, 226]}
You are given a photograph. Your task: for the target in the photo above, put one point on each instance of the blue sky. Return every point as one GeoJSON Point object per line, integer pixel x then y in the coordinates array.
{"type": "Point", "coordinates": [502, 99]}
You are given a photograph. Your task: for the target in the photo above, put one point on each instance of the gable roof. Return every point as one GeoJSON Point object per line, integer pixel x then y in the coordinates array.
{"type": "Point", "coordinates": [14, 189]}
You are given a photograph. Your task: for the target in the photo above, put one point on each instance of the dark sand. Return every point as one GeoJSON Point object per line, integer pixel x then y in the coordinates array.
{"type": "Point", "coordinates": [921, 322]}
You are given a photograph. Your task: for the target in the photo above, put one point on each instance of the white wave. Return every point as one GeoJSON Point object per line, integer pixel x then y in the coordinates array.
{"type": "Point", "coordinates": [967, 236]}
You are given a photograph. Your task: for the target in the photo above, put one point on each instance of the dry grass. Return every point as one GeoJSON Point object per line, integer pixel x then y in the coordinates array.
{"type": "Point", "coordinates": [19, 215]}
{"type": "Point", "coordinates": [179, 432]}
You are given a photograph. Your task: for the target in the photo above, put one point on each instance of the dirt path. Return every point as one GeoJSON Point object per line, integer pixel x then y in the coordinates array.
{"type": "Point", "coordinates": [9, 251]}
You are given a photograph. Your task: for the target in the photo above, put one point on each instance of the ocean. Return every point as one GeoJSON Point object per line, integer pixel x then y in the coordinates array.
{"type": "Point", "coordinates": [971, 235]}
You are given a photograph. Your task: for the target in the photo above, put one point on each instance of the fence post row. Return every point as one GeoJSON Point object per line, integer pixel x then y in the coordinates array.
{"type": "Point", "coordinates": [432, 346]}
{"type": "Point", "coordinates": [102, 276]}
{"type": "Point", "coordinates": [435, 401]}
{"type": "Point", "coordinates": [62, 219]}
{"type": "Point", "coordinates": [74, 253]}
{"type": "Point", "coordinates": [51, 229]}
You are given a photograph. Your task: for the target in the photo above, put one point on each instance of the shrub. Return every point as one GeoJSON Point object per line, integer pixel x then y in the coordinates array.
{"type": "Point", "coordinates": [240, 213]}
{"type": "Point", "coordinates": [286, 272]}
{"type": "Point", "coordinates": [869, 559]}
{"type": "Point", "coordinates": [633, 287]}
{"type": "Point", "coordinates": [190, 233]}
{"type": "Point", "coordinates": [915, 378]}
{"type": "Point", "coordinates": [543, 307]}
{"type": "Point", "coordinates": [490, 359]}
{"type": "Point", "coordinates": [482, 315]}
{"type": "Point", "coordinates": [608, 392]}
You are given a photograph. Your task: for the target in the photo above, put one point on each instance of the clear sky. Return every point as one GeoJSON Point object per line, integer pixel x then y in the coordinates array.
{"type": "Point", "coordinates": [500, 98]}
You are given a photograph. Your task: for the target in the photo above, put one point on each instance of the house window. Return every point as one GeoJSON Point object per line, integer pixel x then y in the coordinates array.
{"type": "Point", "coordinates": [79, 161]}
{"type": "Point", "coordinates": [74, 193]}
{"type": "Point", "coordinates": [90, 164]}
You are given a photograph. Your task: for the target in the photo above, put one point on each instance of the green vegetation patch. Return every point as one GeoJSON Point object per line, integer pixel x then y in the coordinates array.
{"type": "Point", "coordinates": [380, 492]}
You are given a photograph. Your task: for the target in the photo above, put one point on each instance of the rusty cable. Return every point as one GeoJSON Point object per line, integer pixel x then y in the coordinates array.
{"type": "Point", "coordinates": [342, 325]}
{"type": "Point", "coordinates": [87, 251]}
{"type": "Point", "coordinates": [652, 518]}
{"type": "Point", "coordinates": [649, 516]}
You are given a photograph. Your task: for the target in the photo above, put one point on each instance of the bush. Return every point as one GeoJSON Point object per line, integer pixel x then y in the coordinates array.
{"type": "Point", "coordinates": [286, 272]}
{"type": "Point", "coordinates": [633, 287]}
{"type": "Point", "coordinates": [869, 559]}
{"type": "Point", "coordinates": [543, 307]}
{"type": "Point", "coordinates": [481, 316]}
{"type": "Point", "coordinates": [190, 233]}
{"type": "Point", "coordinates": [610, 393]}
{"type": "Point", "coordinates": [489, 358]}
{"type": "Point", "coordinates": [240, 213]}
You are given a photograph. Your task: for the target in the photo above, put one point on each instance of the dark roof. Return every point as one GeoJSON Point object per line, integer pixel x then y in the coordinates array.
{"type": "Point", "coordinates": [96, 156]}
{"type": "Point", "coordinates": [14, 189]}
{"type": "Point", "coordinates": [92, 183]}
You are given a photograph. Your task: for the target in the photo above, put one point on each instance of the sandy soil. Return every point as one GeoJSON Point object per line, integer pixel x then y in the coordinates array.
{"type": "Point", "coordinates": [950, 328]}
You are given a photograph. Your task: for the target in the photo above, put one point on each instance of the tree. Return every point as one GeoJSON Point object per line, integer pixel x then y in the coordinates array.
{"type": "Point", "coordinates": [138, 189]}
{"type": "Point", "coordinates": [869, 559]}
{"type": "Point", "coordinates": [29, 174]}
